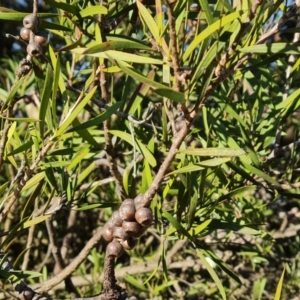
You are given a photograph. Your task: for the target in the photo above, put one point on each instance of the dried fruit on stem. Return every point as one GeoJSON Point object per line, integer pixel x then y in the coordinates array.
{"type": "Point", "coordinates": [129, 244]}
{"type": "Point", "coordinates": [41, 38]}
{"type": "Point", "coordinates": [34, 49]}
{"type": "Point", "coordinates": [31, 21]}
{"type": "Point", "coordinates": [144, 216]}
{"type": "Point", "coordinates": [114, 249]}
{"type": "Point", "coordinates": [127, 211]}
{"type": "Point", "coordinates": [131, 227]}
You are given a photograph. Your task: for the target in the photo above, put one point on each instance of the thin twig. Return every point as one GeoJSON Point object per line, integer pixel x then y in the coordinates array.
{"type": "Point", "coordinates": [105, 106]}
{"type": "Point", "coordinates": [58, 258]}
{"type": "Point", "coordinates": [4, 136]}
{"type": "Point", "coordinates": [173, 44]}
{"type": "Point", "coordinates": [35, 7]}
{"type": "Point", "coordinates": [24, 180]}
{"type": "Point", "coordinates": [73, 265]}
{"type": "Point", "coordinates": [109, 148]}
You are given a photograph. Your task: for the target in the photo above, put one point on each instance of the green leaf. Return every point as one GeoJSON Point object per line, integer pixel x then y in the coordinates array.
{"type": "Point", "coordinates": [75, 110]}
{"type": "Point", "coordinates": [45, 97]}
{"type": "Point", "coordinates": [130, 279]}
{"type": "Point", "coordinates": [14, 90]}
{"type": "Point", "coordinates": [213, 162]}
{"type": "Point", "coordinates": [24, 147]}
{"type": "Point", "coordinates": [129, 57]}
{"type": "Point", "coordinates": [34, 180]}
{"type": "Point", "coordinates": [200, 165]}
{"type": "Point", "coordinates": [98, 120]}
{"type": "Point", "coordinates": [93, 206]}
{"type": "Point", "coordinates": [54, 26]}
{"type": "Point", "coordinates": [213, 274]}
{"type": "Point", "coordinates": [93, 10]}
{"type": "Point", "coordinates": [26, 120]}
{"type": "Point", "coordinates": [237, 191]}
{"type": "Point", "coordinates": [78, 158]}
{"type": "Point", "coordinates": [222, 265]}
{"type": "Point", "coordinates": [261, 174]}
{"type": "Point", "coordinates": [273, 48]}
{"type": "Point", "coordinates": [140, 146]}
{"type": "Point", "coordinates": [200, 228]}
{"type": "Point", "coordinates": [13, 15]}
{"type": "Point", "coordinates": [290, 104]}
{"type": "Point", "coordinates": [97, 47]}
{"type": "Point", "coordinates": [148, 20]}
{"type": "Point", "coordinates": [209, 31]}
{"type": "Point", "coordinates": [193, 204]}
{"type": "Point", "coordinates": [157, 87]}
{"type": "Point", "coordinates": [85, 134]}
{"type": "Point", "coordinates": [213, 152]}
{"type": "Point", "coordinates": [207, 60]}
{"type": "Point", "coordinates": [54, 164]}
{"type": "Point", "coordinates": [74, 10]}
{"type": "Point", "coordinates": [86, 172]}
{"type": "Point", "coordinates": [186, 169]}
{"type": "Point", "coordinates": [176, 224]}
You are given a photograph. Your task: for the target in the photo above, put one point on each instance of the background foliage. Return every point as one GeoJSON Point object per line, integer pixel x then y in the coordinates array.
{"type": "Point", "coordinates": [227, 204]}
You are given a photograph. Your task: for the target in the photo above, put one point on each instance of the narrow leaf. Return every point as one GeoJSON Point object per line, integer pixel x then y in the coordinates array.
{"type": "Point", "coordinates": [279, 286]}
{"type": "Point", "coordinates": [212, 273]}
{"type": "Point", "coordinates": [141, 147]}
{"type": "Point", "coordinates": [176, 224]}
{"type": "Point", "coordinates": [158, 87]}
{"type": "Point", "coordinates": [261, 174]}
{"type": "Point", "coordinates": [45, 97]}
{"type": "Point", "coordinates": [273, 48]}
{"type": "Point", "coordinates": [34, 180]}
{"type": "Point", "coordinates": [213, 152]}
{"type": "Point", "coordinates": [93, 10]}
{"type": "Point", "coordinates": [209, 31]}
{"type": "Point", "coordinates": [148, 20]}
{"type": "Point", "coordinates": [98, 120]}
{"type": "Point", "coordinates": [186, 169]}
{"type": "Point", "coordinates": [124, 56]}
{"type": "Point", "coordinates": [76, 109]}
{"type": "Point", "coordinates": [35, 221]}
{"type": "Point", "coordinates": [112, 45]}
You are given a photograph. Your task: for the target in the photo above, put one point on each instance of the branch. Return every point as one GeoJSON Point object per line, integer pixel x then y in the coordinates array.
{"type": "Point", "coordinates": [150, 193]}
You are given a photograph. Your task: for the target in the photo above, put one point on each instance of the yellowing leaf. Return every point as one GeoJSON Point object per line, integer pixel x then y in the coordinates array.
{"type": "Point", "coordinates": [35, 221]}
{"type": "Point", "coordinates": [279, 286]}
{"type": "Point", "coordinates": [93, 10]}
{"type": "Point", "coordinates": [213, 152]}
{"type": "Point", "coordinates": [34, 180]}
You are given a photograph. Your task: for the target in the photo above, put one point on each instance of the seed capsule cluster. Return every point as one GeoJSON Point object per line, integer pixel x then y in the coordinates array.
{"type": "Point", "coordinates": [124, 226]}
{"type": "Point", "coordinates": [31, 23]}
